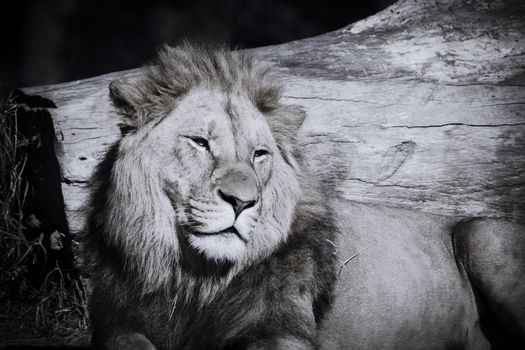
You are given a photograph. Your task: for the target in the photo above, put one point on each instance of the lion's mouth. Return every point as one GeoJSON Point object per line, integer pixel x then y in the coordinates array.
{"type": "Point", "coordinates": [229, 231]}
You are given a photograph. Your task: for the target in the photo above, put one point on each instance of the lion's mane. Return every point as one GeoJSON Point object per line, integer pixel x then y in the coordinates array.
{"type": "Point", "coordinates": [129, 245]}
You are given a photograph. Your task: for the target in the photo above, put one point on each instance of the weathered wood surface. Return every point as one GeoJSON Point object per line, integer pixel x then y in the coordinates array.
{"type": "Point", "coordinates": [419, 106]}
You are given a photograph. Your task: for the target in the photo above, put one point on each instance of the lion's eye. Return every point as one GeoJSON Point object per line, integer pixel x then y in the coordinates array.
{"type": "Point", "coordinates": [259, 154]}
{"type": "Point", "coordinates": [199, 141]}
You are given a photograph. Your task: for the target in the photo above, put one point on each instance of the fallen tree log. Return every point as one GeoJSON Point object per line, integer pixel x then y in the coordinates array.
{"type": "Point", "coordinates": [419, 106]}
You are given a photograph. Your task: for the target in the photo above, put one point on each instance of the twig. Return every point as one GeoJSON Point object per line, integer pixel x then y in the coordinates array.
{"type": "Point", "coordinates": [346, 262]}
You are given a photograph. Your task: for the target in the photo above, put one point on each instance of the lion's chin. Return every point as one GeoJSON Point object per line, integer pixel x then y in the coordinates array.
{"type": "Point", "coordinates": [226, 245]}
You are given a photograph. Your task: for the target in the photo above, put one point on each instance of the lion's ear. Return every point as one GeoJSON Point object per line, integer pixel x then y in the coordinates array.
{"type": "Point", "coordinates": [285, 123]}
{"type": "Point", "coordinates": [127, 99]}
{"type": "Point", "coordinates": [295, 115]}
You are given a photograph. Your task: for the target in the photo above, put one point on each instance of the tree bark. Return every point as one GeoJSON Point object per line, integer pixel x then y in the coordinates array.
{"type": "Point", "coordinates": [419, 106]}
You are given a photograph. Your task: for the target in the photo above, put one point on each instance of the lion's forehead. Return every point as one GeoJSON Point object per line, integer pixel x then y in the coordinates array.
{"type": "Point", "coordinates": [230, 119]}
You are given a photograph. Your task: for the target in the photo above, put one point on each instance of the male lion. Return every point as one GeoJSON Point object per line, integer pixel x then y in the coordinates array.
{"type": "Point", "coordinates": [205, 232]}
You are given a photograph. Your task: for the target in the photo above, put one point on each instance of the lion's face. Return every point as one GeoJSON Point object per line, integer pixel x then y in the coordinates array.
{"type": "Point", "coordinates": [215, 168]}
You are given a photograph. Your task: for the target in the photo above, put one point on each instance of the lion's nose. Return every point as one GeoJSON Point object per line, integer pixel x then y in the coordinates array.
{"type": "Point", "coordinates": [238, 204]}
{"type": "Point", "coordinates": [237, 185]}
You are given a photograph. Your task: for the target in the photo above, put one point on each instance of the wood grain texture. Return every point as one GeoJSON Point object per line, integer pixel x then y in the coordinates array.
{"type": "Point", "coordinates": [419, 106]}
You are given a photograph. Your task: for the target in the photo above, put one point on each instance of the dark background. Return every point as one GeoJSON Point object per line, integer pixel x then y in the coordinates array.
{"type": "Point", "coordinates": [52, 41]}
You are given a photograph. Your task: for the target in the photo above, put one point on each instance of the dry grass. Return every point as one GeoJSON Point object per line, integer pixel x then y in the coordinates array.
{"type": "Point", "coordinates": [16, 250]}
{"type": "Point", "coordinates": [30, 306]}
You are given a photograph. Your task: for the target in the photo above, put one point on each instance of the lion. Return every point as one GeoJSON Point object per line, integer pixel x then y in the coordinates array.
{"type": "Point", "coordinates": [206, 231]}
{"type": "Point", "coordinates": [203, 230]}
